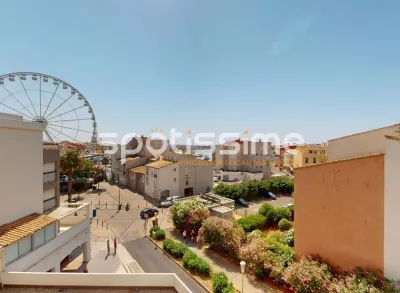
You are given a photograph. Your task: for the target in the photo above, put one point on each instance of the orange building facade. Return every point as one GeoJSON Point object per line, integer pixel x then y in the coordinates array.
{"type": "Point", "coordinates": [347, 211]}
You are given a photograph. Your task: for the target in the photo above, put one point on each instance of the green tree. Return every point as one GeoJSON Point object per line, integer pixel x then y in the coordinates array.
{"type": "Point", "coordinates": [85, 170]}
{"type": "Point", "coordinates": [69, 162]}
{"type": "Point", "coordinates": [99, 176]}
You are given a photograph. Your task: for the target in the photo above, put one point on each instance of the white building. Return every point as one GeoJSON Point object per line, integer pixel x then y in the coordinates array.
{"type": "Point", "coordinates": [172, 175]}
{"type": "Point", "coordinates": [252, 161]}
{"type": "Point", "coordinates": [29, 239]}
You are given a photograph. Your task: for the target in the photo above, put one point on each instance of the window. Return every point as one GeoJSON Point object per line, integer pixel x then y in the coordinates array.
{"type": "Point", "coordinates": [155, 175]}
{"type": "Point", "coordinates": [174, 179]}
{"type": "Point", "coordinates": [155, 183]}
{"type": "Point", "coordinates": [147, 171]}
{"type": "Point", "coordinates": [187, 182]}
{"type": "Point", "coordinates": [151, 174]}
{"type": "Point", "coordinates": [174, 169]}
{"type": "Point", "coordinates": [314, 160]}
{"type": "Point", "coordinates": [24, 246]}
{"type": "Point", "coordinates": [310, 151]}
{"type": "Point", "coordinates": [50, 232]}
{"type": "Point", "coordinates": [306, 161]}
{"type": "Point", "coordinates": [38, 238]}
{"type": "Point", "coordinates": [11, 253]}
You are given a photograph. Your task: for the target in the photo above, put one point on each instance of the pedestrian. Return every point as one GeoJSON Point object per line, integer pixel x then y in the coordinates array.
{"type": "Point", "coordinates": [193, 235]}
{"type": "Point", "coordinates": [108, 246]}
{"type": "Point", "coordinates": [184, 235]}
{"type": "Point", "coordinates": [115, 246]}
{"type": "Point", "coordinates": [198, 241]}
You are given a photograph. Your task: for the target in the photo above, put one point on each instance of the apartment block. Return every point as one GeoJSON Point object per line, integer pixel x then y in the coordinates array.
{"type": "Point", "coordinates": [31, 239]}
{"type": "Point", "coordinates": [251, 157]}
{"type": "Point", "coordinates": [347, 208]}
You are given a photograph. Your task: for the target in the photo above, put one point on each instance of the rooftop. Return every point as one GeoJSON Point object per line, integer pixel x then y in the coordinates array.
{"type": "Point", "coordinates": [140, 169]}
{"type": "Point", "coordinates": [160, 164]}
{"type": "Point", "coordinates": [130, 159]}
{"type": "Point", "coordinates": [354, 134]}
{"type": "Point", "coordinates": [21, 228]}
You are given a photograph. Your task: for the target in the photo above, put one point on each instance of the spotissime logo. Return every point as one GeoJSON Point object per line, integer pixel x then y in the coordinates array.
{"type": "Point", "coordinates": [158, 143]}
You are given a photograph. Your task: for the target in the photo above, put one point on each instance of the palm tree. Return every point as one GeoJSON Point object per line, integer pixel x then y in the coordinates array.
{"type": "Point", "coordinates": [69, 162]}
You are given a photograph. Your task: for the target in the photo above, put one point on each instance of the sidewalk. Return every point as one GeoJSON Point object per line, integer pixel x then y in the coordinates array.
{"type": "Point", "coordinates": [121, 263]}
{"type": "Point", "coordinates": [233, 272]}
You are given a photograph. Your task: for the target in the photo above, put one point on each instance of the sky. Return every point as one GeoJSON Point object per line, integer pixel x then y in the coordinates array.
{"type": "Point", "coordinates": [322, 69]}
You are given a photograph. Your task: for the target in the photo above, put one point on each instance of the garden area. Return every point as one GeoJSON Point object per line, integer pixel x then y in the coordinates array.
{"type": "Point", "coordinates": [256, 188]}
{"type": "Point", "coordinates": [265, 242]}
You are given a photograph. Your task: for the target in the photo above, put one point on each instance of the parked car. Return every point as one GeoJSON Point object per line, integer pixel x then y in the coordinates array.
{"type": "Point", "coordinates": [242, 202]}
{"type": "Point", "coordinates": [166, 203]}
{"type": "Point", "coordinates": [215, 179]}
{"type": "Point", "coordinates": [272, 196]}
{"type": "Point", "coordinates": [148, 211]}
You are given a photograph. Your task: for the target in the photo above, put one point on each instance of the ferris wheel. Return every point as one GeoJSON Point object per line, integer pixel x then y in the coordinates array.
{"type": "Point", "coordinates": [65, 113]}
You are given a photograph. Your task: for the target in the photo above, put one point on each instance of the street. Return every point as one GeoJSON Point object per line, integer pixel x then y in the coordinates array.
{"type": "Point", "coordinates": [153, 260]}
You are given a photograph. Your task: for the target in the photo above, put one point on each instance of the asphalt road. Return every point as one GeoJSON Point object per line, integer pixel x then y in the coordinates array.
{"type": "Point", "coordinates": [153, 260]}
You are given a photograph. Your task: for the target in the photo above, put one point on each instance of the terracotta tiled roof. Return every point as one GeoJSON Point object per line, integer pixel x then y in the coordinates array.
{"type": "Point", "coordinates": [21, 228]}
{"type": "Point", "coordinates": [140, 169]}
{"type": "Point", "coordinates": [160, 164]}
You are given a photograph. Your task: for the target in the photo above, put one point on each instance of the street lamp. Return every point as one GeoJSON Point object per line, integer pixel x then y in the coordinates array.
{"type": "Point", "coordinates": [242, 268]}
{"type": "Point", "coordinates": [119, 195]}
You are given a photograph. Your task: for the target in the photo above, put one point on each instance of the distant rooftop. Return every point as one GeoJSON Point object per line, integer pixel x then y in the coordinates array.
{"type": "Point", "coordinates": [160, 164]}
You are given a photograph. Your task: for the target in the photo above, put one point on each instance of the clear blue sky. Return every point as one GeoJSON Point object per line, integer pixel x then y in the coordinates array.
{"type": "Point", "coordinates": [320, 68]}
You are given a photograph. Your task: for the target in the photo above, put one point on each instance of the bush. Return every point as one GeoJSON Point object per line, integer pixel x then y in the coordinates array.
{"type": "Point", "coordinates": [283, 213]}
{"type": "Point", "coordinates": [181, 212]}
{"type": "Point", "coordinates": [154, 229]}
{"type": "Point", "coordinates": [288, 237]}
{"type": "Point", "coordinates": [284, 225]}
{"type": "Point", "coordinates": [308, 276]}
{"type": "Point", "coordinates": [274, 236]}
{"type": "Point", "coordinates": [222, 235]}
{"type": "Point", "coordinates": [284, 253]}
{"type": "Point", "coordinates": [199, 265]}
{"type": "Point", "coordinates": [221, 283]}
{"type": "Point", "coordinates": [196, 263]}
{"type": "Point", "coordinates": [254, 253]}
{"type": "Point", "coordinates": [159, 235]}
{"type": "Point", "coordinates": [268, 211]}
{"type": "Point", "coordinates": [252, 223]}
{"type": "Point", "coordinates": [176, 249]}
{"type": "Point", "coordinates": [274, 267]}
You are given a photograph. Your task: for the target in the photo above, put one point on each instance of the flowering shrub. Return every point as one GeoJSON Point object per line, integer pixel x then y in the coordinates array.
{"type": "Point", "coordinates": [187, 211]}
{"type": "Point", "coordinates": [308, 276]}
{"type": "Point", "coordinates": [252, 223]}
{"type": "Point", "coordinates": [254, 253]}
{"type": "Point", "coordinates": [288, 237]}
{"type": "Point", "coordinates": [284, 225]}
{"type": "Point", "coordinates": [222, 235]}
{"type": "Point", "coordinates": [196, 218]}
{"type": "Point", "coordinates": [351, 284]}
{"type": "Point", "coordinates": [273, 267]}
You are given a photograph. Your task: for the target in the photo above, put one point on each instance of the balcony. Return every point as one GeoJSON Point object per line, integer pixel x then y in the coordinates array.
{"type": "Point", "coordinates": [72, 230]}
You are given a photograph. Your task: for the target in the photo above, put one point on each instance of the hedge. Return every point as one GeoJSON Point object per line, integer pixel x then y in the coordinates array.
{"type": "Point", "coordinates": [176, 249]}
{"type": "Point", "coordinates": [283, 213]}
{"type": "Point", "coordinates": [195, 263]}
{"type": "Point", "coordinates": [268, 211]}
{"type": "Point", "coordinates": [159, 235]}
{"type": "Point", "coordinates": [154, 229]}
{"type": "Point", "coordinates": [252, 223]}
{"type": "Point", "coordinates": [221, 283]}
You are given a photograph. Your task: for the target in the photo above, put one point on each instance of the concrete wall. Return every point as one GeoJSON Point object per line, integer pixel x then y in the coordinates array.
{"type": "Point", "coordinates": [204, 179]}
{"type": "Point", "coordinates": [392, 204]}
{"type": "Point", "coordinates": [53, 252]}
{"type": "Point", "coordinates": [361, 144]}
{"type": "Point", "coordinates": [21, 175]}
{"type": "Point", "coordinates": [166, 179]}
{"type": "Point", "coordinates": [340, 212]}
{"type": "Point", "coordinates": [94, 280]}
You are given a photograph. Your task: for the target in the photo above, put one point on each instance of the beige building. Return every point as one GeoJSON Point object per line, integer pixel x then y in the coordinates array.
{"type": "Point", "coordinates": [361, 144]}
{"type": "Point", "coordinates": [172, 175]}
{"type": "Point", "coordinates": [32, 239]}
{"type": "Point", "coordinates": [252, 157]}
{"type": "Point", "coordinates": [347, 208]}
{"type": "Point", "coordinates": [305, 155]}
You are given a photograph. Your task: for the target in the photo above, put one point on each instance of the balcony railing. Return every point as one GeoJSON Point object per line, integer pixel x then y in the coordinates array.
{"type": "Point", "coordinates": [49, 177]}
